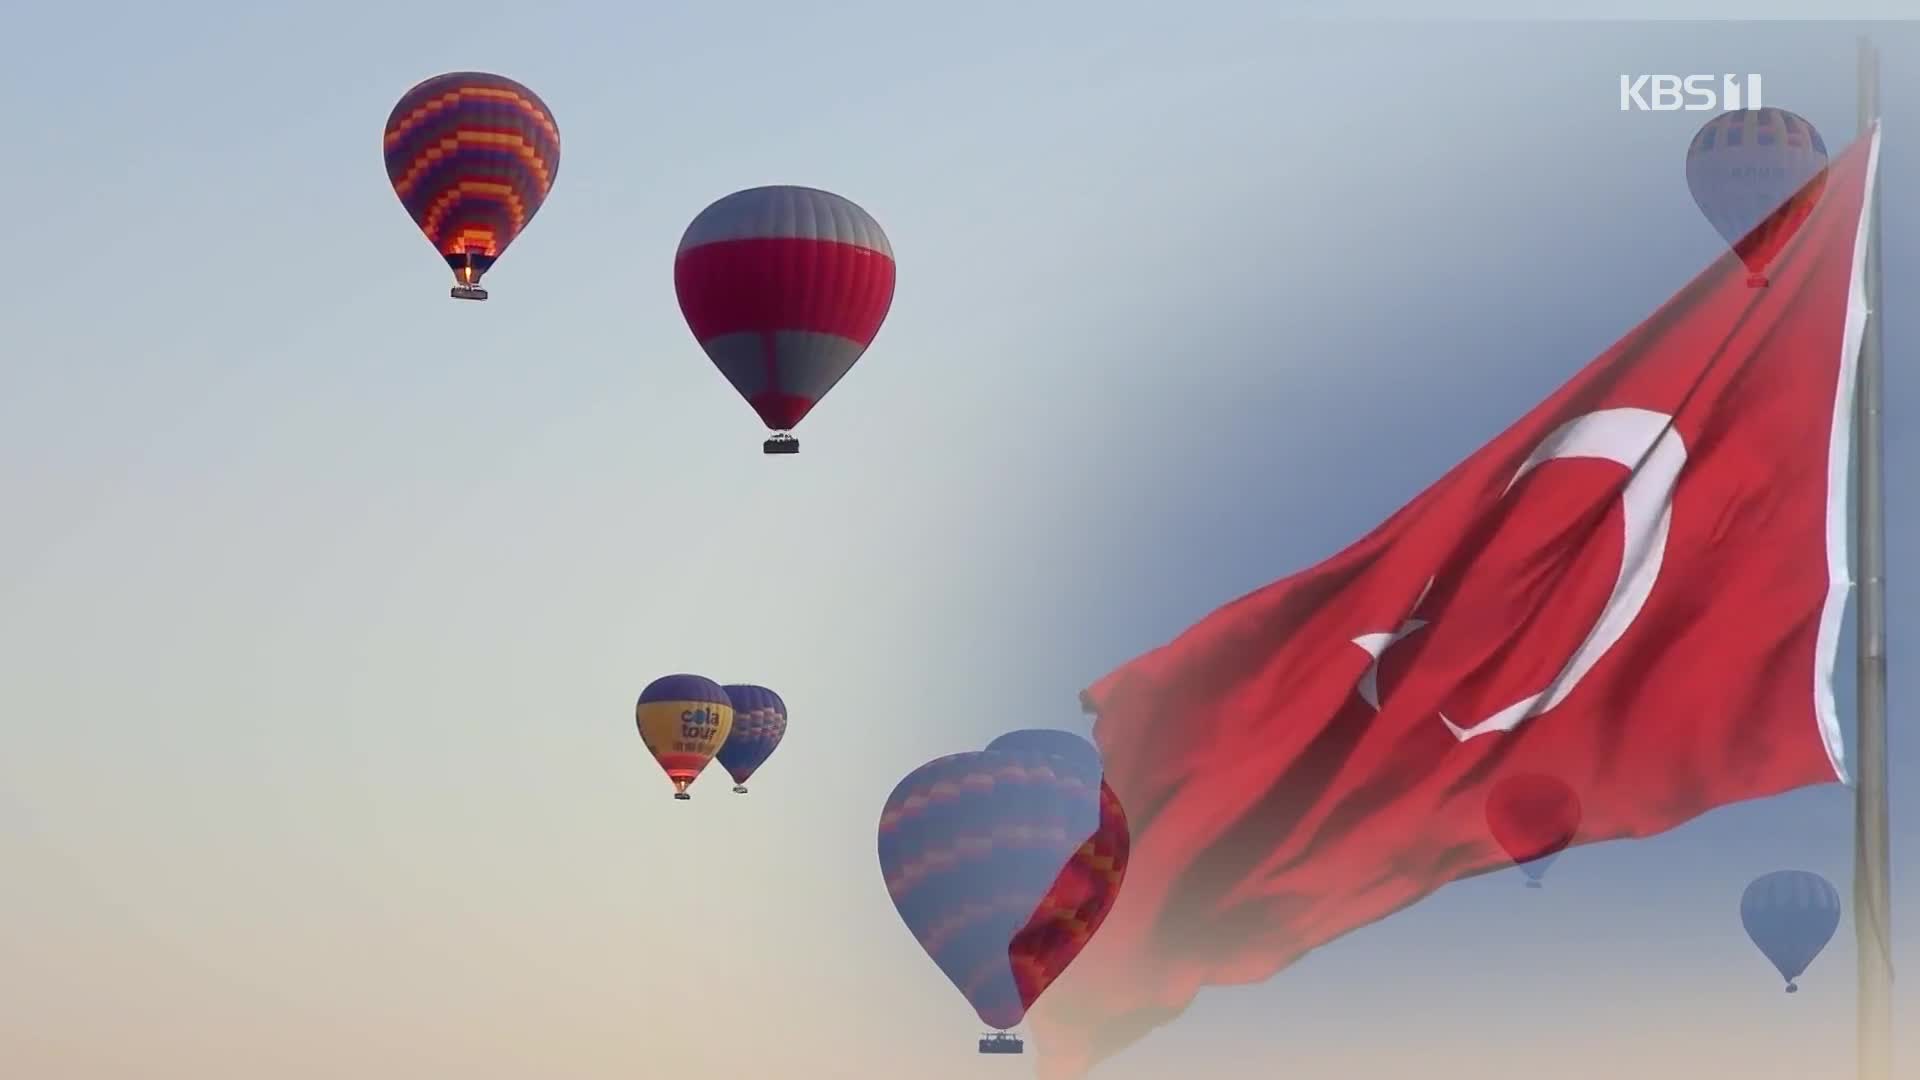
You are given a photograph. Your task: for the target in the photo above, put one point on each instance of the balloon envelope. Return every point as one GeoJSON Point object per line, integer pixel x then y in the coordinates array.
{"type": "Point", "coordinates": [784, 287]}
{"type": "Point", "coordinates": [472, 157]}
{"type": "Point", "coordinates": [683, 720]}
{"type": "Point", "coordinates": [1790, 915]}
{"type": "Point", "coordinates": [1533, 818]}
{"type": "Point", "coordinates": [759, 723]}
{"type": "Point", "coordinates": [1756, 174]}
{"type": "Point", "coordinates": [1051, 742]}
{"type": "Point", "coordinates": [1003, 865]}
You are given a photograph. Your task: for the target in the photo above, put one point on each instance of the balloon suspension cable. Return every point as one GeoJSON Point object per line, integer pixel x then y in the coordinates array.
{"type": "Point", "coordinates": [469, 282]}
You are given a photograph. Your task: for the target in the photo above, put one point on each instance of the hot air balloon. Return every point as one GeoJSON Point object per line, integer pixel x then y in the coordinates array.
{"type": "Point", "coordinates": [784, 287]}
{"type": "Point", "coordinates": [759, 722]}
{"type": "Point", "coordinates": [1003, 863]}
{"type": "Point", "coordinates": [683, 719]}
{"type": "Point", "coordinates": [1790, 915]}
{"type": "Point", "coordinates": [472, 156]}
{"type": "Point", "coordinates": [1533, 818]}
{"type": "Point", "coordinates": [1756, 175]}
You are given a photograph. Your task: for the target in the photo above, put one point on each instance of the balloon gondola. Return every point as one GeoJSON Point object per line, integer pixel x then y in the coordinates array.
{"type": "Point", "coordinates": [1001, 1042]}
{"type": "Point", "coordinates": [784, 288]}
{"type": "Point", "coordinates": [472, 157]}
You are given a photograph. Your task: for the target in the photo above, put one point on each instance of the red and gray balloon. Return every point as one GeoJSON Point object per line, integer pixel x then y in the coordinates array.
{"type": "Point", "coordinates": [785, 288]}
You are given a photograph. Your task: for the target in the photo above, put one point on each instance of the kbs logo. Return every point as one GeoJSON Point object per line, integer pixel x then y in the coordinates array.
{"type": "Point", "coordinates": [1694, 93]}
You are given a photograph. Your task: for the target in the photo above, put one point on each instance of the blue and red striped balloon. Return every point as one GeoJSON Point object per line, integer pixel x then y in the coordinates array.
{"type": "Point", "coordinates": [784, 288]}
{"type": "Point", "coordinates": [1003, 863]}
{"type": "Point", "coordinates": [759, 723]}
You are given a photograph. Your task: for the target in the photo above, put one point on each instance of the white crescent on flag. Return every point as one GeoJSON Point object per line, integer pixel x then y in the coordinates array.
{"type": "Point", "coordinates": [1645, 443]}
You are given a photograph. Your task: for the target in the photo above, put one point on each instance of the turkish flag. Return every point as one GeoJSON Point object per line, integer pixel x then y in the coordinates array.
{"type": "Point", "coordinates": [1635, 591]}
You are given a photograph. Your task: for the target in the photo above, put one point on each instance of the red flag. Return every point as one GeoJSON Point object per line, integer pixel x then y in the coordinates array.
{"type": "Point", "coordinates": [1635, 591]}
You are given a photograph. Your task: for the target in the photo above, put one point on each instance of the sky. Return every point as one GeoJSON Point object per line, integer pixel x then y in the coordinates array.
{"type": "Point", "coordinates": [324, 599]}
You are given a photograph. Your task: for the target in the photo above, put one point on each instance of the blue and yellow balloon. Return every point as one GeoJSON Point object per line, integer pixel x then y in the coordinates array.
{"type": "Point", "coordinates": [684, 720]}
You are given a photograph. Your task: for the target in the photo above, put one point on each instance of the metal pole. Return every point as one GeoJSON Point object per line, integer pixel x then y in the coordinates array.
{"type": "Point", "coordinates": [1872, 894]}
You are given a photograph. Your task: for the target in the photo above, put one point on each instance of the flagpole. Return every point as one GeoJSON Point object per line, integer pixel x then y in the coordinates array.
{"type": "Point", "coordinates": [1872, 892]}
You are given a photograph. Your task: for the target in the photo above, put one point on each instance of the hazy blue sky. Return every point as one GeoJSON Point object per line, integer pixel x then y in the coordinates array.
{"type": "Point", "coordinates": [324, 599]}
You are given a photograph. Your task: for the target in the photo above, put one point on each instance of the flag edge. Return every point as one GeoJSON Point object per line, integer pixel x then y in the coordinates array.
{"type": "Point", "coordinates": [1839, 477]}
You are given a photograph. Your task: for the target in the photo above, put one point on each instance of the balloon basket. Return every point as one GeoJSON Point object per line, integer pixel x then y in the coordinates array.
{"type": "Point", "coordinates": [1533, 884]}
{"type": "Point", "coordinates": [739, 789]}
{"type": "Point", "coordinates": [681, 795]}
{"type": "Point", "coordinates": [1756, 281]}
{"type": "Point", "coordinates": [781, 444]}
{"type": "Point", "coordinates": [1792, 989]}
{"type": "Point", "coordinates": [463, 292]}
{"type": "Point", "coordinates": [1001, 1043]}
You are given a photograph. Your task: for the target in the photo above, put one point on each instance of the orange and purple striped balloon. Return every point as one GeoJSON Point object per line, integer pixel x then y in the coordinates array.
{"type": "Point", "coordinates": [472, 157]}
